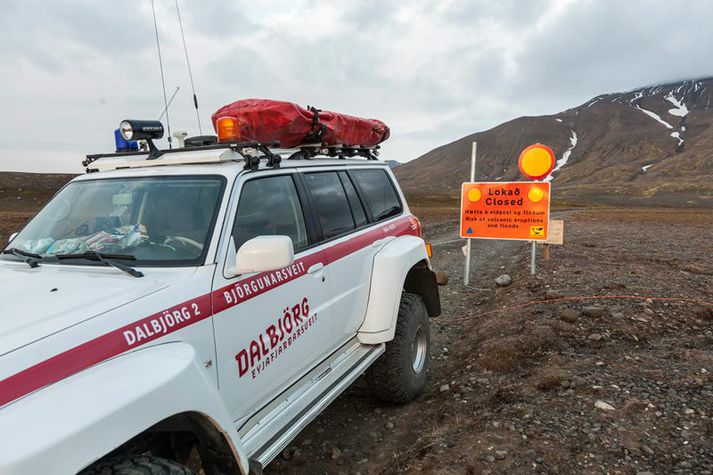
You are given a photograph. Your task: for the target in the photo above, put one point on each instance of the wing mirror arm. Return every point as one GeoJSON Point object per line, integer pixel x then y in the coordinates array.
{"type": "Point", "coordinates": [231, 269]}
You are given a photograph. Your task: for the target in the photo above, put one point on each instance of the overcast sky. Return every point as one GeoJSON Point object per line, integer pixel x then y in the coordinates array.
{"type": "Point", "coordinates": [433, 71]}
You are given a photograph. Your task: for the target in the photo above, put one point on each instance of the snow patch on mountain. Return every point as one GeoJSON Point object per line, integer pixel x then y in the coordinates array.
{"type": "Point", "coordinates": [677, 136]}
{"type": "Point", "coordinates": [565, 156]}
{"type": "Point", "coordinates": [636, 97]}
{"type": "Point", "coordinates": [680, 110]}
{"type": "Point", "coordinates": [656, 117]}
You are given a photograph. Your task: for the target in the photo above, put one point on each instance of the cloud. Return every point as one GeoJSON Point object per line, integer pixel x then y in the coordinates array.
{"type": "Point", "coordinates": [434, 71]}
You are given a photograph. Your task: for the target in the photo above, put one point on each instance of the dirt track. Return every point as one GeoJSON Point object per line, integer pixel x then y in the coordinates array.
{"type": "Point", "coordinates": [523, 382]}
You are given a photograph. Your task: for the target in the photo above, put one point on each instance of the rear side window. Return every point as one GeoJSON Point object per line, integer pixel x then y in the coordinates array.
{"type": "Point", "coordinates": [270, 206]}
{"type": "Point", "coordinates": [357, 208]}
{"type": "Point", "coordinates": [379, 193]}
{"type": "Point", "coordinates": [330, 202]}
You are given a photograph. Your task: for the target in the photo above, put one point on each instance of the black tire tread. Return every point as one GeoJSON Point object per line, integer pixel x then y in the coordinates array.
{"type": "Point", "coordinates": [136, 465]}
{"type": "Point", "coordinates": [390, 378]}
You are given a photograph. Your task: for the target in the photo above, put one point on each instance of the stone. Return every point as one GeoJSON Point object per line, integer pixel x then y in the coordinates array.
{"type": "Point", "coordinates": [593, 312]}
{"type": "Point", "coordinates": [595, 337]}
{"type": "Point", "coordinates": [441, 278]}
{"type": "Point", "coordinates": [336, 453]}
{"type": "Point", "coordinates": [504, 280]}
{"type": "Point", "coordinates": [445, 387]}
{"type": "Point", "coordinates": [569, 315]}
{"type": "Point", "coordinates": [599, 404]}
{"type": "Point", "coordinates": [500, 454]}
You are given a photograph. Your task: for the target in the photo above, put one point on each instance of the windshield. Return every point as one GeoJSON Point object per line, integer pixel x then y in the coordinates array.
{"type": "Point", "coordinates": [158, 220]}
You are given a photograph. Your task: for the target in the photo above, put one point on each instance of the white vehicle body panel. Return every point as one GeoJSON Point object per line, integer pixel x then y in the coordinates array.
{"type": "Point", "coordinates": [61, 429]}
{"type": "Point", "coordinates": [101, 336]}
{"type": "Point", "coordinates": [391, 264]}
{"type": "Point", "coordinates": [38, 302]}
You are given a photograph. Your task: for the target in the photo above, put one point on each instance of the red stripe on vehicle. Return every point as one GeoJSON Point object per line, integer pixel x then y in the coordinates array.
{"type": "Point", "coordinates": [250, 287]}
{"type": "Point", "coordinates": [179, 316]}
{"type": "Point", "coordinates": [103, 348]}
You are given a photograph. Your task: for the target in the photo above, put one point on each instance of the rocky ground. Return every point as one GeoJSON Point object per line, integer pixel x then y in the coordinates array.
{"type": "Point", "coordinates": [571, 385]}
{"type": "Point", "coordinates": [574, 385]}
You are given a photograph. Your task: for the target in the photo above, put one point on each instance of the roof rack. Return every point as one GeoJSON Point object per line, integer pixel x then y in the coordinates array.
{"type": "Point", "coordinates": [250, 152]}
{"type": "Point", "coordinates": [309, 151]}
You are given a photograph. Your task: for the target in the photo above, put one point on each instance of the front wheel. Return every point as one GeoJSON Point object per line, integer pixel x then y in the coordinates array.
{"type": "Point", "coordinates": [136, 465]}
{"type": "Point", "coordinates": [399, 375]}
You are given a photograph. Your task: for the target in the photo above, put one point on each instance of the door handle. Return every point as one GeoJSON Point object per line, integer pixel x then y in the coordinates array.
{"type": "Point", "coordinates": [316, 268]}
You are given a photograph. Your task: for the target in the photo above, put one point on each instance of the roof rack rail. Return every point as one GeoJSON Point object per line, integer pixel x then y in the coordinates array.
{"type": "Point", "coordinates": [253, 152]}
{"type": "Point", "coordinates": [235, 146]}
{"type": "Point", "coordinates": [309, 151]}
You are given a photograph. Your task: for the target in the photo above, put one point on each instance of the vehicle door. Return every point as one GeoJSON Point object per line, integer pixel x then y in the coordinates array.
{"type": "Point", "coordinates": [273, 327]}
{"type": "Point", "coordinates": [344, 231]}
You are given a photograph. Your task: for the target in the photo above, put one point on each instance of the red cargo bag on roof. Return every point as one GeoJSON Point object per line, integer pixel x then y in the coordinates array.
{"type": "Point", "coordinates": [266, 121]}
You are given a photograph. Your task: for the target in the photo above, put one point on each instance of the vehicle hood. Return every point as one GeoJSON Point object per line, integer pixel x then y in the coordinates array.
{"type": "Point", "coordinates": [35, 303]}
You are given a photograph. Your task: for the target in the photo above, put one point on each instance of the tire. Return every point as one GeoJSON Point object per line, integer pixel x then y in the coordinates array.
{"type": "Point", "coordinates": [399, 375]}
{"type": "Point", "coordinates": [136, 465]}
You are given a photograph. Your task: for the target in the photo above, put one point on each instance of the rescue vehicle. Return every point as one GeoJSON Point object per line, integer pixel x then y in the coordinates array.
{"type": "Point", "coordinates": [209, 299]}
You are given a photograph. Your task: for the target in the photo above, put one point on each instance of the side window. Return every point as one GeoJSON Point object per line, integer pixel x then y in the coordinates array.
{"type": "Point", "coordinates": [330, 202]}
{"type": "Point", "coordinates": [379, 193]}
{"type": "Point", "coordinates": [270, 206]}
{"type": "Point", "coordinates": [354, 202]}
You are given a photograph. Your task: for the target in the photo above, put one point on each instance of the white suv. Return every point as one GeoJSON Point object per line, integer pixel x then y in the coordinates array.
{"type": "Point", "coordinates": [210, 301]}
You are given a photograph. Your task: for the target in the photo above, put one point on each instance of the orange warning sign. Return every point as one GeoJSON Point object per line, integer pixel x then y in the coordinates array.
{"type": "Point", "coordinates": [510, 210]}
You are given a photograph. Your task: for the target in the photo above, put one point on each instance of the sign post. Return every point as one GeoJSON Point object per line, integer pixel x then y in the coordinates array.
{"type": "Point", "coordinates": [466, 276]}
{"type": "Point", "coordinates": [536, 162]}
{"type": "Point", "coordinates": [532, 259]}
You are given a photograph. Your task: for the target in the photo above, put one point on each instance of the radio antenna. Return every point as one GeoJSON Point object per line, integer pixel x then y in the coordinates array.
{"type": "Point", "coordinates": [170, 101]}
{"type": "Point", "coordinates": [190, 73]}
{"type": "Point", "coordinates": [163, 81]}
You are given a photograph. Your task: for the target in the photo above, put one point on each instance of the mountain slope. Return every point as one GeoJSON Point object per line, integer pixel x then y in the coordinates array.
{"type": "Point", "coordinates": [650, 146]}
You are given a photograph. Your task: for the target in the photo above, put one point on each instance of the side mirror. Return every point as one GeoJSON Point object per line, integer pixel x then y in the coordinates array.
{"type": "Point", "coordinates": [12, 236]}
{"type": "Point", "coordinates": [264, 253]}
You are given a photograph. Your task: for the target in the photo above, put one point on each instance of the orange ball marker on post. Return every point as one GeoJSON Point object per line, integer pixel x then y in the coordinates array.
{"type": "Point", "coordinates": [536, 161]}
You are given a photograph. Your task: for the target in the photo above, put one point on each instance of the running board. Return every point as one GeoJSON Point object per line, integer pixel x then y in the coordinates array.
{"type": "Point", "coordinates": [272, 429]}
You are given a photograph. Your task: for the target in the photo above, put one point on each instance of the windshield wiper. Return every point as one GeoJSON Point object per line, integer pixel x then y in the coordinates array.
{"type": "Point", "coordinates": [28, 258]}
{"type": "Point", "coordinates": [108, 259]}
